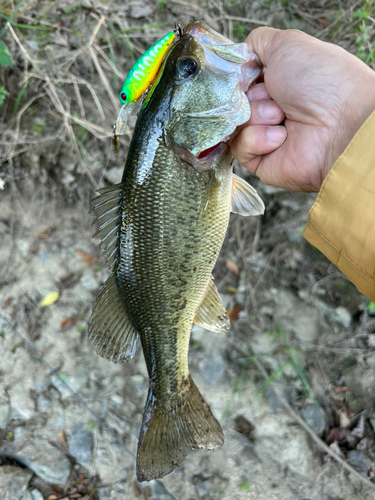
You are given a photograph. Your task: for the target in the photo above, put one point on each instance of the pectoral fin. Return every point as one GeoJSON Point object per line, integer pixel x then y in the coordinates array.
{"type": "Point", "coordinates": [111, 332]}
{"type": "Point", "coordinates": [211, 314]}
{"type": "Point", "coordinates": [245, 199]}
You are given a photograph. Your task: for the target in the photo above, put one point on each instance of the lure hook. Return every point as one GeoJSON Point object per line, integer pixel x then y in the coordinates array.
{"type": "Point", "coordinates": [177, 30]}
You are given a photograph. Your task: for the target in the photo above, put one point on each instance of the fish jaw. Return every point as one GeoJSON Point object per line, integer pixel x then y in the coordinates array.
{"type": "Point", "coordinates": [207, 109]}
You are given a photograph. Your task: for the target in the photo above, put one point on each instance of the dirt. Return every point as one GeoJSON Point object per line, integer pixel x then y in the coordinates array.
{"type": "Point", "coordinates": [69, 419]}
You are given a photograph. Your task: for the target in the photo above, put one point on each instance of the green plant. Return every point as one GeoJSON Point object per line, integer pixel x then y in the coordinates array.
{"type": "Point", "coordinates": [5, 56]}
{"type": "Point", "coordinates": [3, 94]}
{"type": "Point", "coordinates": [365, 39]}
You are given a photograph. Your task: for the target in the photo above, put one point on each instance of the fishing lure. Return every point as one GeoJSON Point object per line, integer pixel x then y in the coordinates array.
{"type": "Point", "coordinates": [145, 69]}
{"type": "Point", "coordinates": [140, 78]}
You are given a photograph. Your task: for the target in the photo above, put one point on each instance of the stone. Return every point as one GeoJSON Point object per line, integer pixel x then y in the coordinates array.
{"type": "Point", "coordinates": [13, 482]}
{"type": "Point", "coordinates": [315, 418]}
{"type": "Point", "coordinates": [36, 495]}
{"type": "Point", "coordinates": [5, 412]}
{"type": "Point", "coordinates": [46, 461]}
{"type": "Point", "coordinates": [359, 460]}
{"type": "Point", "coordinates": [81, 443]}
{"type": "Point", "coordinates": [213, 369]}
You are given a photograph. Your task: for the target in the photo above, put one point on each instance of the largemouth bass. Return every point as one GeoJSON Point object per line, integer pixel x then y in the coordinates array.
{"type": "Point", "coordinates": [162, 228]}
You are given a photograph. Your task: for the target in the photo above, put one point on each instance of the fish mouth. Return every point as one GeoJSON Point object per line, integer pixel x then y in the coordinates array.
{"type": "Point", "coordinates": [208, 153]}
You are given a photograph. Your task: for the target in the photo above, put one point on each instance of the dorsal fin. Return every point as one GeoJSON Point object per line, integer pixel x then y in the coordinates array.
{"type": "Point", "coordinates": [245, 199]}
{"type": "Point", "coordinates": [106, 207]}
{"type": "Point", "coordinates": [111, 332]}
{"type": "Point", "coordinates": [211, 314]}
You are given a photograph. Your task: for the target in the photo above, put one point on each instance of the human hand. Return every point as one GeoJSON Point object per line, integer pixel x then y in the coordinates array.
{"type": "Point", "coordinates": [326, 95]}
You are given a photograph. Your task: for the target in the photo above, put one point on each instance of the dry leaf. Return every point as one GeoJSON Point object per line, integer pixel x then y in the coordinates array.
{"type": "Point", "coordinates": [87, 258]}
{"type": "Point", "coordinates": [234, 312]}
{"type": "Point", "coordinates": [339, 388]}
{"type": "Point", "coordinates": [137, 490]}
{"type": "Point", "coordinates": [63, 440]}
{"type": "Point", "coordinates": [49, 299]}
{"type": "Point", "coordinates": [68, 322]}
{"type": "Point", "coordinates": [45, 233]}
{"type": "Point", "coordinates": [231, 266]}
{"type": "Point", "coordinates": [7, 302]}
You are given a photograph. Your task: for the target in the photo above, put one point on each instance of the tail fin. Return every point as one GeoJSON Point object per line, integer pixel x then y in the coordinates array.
{"type": "Point", "coordinates": [171, 429]}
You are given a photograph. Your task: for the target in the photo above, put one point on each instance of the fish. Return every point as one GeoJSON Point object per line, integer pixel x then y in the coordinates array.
{"type": "Point", "coordinates": [161, 231]}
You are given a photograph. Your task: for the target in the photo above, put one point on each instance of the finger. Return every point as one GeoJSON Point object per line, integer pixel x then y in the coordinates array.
{"type": "Point", "coordinates": [262, 41]}
{"type": "Point", "coordinates": [258, 92]}
{"type": "Point", "coordinates": [256, 140]}
{"type": "Point", "coordinates": [265, 113]}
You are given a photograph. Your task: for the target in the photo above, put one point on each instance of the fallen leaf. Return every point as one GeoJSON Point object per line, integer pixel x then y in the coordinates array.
{"type": "Point", "coordinates": [63, 440]}
{"type": "Point", "coordinates": [339, 388]}
{"type": "Point", "coordinates": [7, 302]}
{"type": "Point", "coordinates": [137, 490]}
{"type": "Point", "coordinates": [87, 258]}
{"type": "Point", "coordinates": [49, 299]}
{"type": "Point", "coordinates": [232, 290]}
{"type": "Point", "coordinates": [68, 322]}
{"type": "Point", "coordinates": [233, 313]}
{"type": "Point", "coordinates": [45, 233]}
{"type": "Point", "coordinates": [232, 266]}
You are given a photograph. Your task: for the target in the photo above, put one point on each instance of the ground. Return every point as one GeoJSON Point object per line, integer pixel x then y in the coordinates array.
{"type": "Point", "coordinates": [302, 338]}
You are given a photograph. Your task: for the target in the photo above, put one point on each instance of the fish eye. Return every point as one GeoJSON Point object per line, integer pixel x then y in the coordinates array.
{"type": "Point", "coordinates": [187, 66]}
{"type": "Point", "coordinates": [123, 96]}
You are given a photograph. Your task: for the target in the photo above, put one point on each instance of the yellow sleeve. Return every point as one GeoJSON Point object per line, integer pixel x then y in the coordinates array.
{"type": "Point", "coordinates": [342, 220]}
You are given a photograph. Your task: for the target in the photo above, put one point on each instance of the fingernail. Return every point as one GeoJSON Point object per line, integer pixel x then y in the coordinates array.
{"type": "Point", "coordinates": [269, 110]}
{"type": "Point", "coordinates": [257, 93]}
{"type": "Point", "coordinates": [277, 135]}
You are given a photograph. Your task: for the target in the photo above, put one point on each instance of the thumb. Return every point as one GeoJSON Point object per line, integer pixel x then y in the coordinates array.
{"type": "Point", "coordinates": [262, 41]}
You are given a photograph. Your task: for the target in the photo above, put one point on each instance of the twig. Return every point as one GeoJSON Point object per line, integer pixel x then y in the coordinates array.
{"type": "Point", "coordinates": [95, 32]}
{"type": "Point", "coordinates": [243, 20]}
{"type": "Point", "coordinates": [103, 77]}
{"type": "Point", "coordinates": [311, 433]}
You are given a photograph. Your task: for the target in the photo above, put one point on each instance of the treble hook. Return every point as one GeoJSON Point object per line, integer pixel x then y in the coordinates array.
{"type": "Point", "coordinates": [177, 30]}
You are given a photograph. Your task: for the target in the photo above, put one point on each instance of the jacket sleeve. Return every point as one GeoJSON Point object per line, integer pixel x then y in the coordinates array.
{"type": "Point", "coordinates": [342, 220]}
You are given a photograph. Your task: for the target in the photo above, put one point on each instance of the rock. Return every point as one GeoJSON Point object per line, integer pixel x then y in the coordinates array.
{"type": "Point", "coordinates": [48, 462]}
{"type": "Point", "coordinates": [23, 405]}
{"type": "Point", "coordinates": [13, 482]}
{"type": "Point", "coordinates": [80, 444]}
{"type": "Point", "coordinates": [315, 417]}
{"type": "Point", "coordinates": [89, 282]}
{"type": "Point", "coordinates": [5, 412]}
{"type": "Point", "coordinates": [214, 367]}
{"type": "Point", "coordinates": [36, 495]}
{"type": "Point", "coordinates": [359, 460]}
{"type": "Point", "coordinates": [42, 403]}
{"type": "Point", "coordinates": [114, 174]}
{"type": "Point", "coordinates": [343, 316]}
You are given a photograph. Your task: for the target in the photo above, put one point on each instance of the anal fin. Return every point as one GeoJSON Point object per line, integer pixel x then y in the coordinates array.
{"type": "Point", "coordinates": [111, 332]}
{"type": "Point", "coordinates": [211, 314]}
{"type": "Point", "coordinates": [245, 199]}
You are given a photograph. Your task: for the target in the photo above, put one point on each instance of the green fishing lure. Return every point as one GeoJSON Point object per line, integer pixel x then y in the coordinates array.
{"type": "Point", "coordinates": [139, 79]}
{"type": "Point", "coordinates": [145, 69]}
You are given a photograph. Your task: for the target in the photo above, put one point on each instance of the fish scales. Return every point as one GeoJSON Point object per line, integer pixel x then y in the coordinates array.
{"type": "Point", "coordinates": [162, 228]}
{"type": "Point", "coordinates": [177, 241]}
